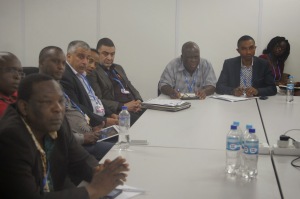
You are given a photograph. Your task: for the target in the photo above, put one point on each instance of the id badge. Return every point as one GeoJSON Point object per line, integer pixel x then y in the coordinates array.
{"type": "Point", "coordinates": [124, 91]}
{"type": "Point", "coordinates": [99, 109]}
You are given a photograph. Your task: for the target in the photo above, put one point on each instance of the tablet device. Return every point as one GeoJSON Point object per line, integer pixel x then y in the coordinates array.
{"type": "Point", "coordinates": [108, 133]}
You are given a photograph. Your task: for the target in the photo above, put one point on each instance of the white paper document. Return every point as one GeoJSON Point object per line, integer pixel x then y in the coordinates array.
{"type": "Point", "coordinates": [165, 102]}
{"type": "Point", "coordinates": [129, 191]}
{"type": "Point", "coordinates": [231, 98]}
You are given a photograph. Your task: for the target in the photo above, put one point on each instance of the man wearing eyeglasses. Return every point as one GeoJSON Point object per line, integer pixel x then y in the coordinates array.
{"type": "Point", "coordinates": [246, 75]}
{"type": "Point", "coordinates": [11, 73]}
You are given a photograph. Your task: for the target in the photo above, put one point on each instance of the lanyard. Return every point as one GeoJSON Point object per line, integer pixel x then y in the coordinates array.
{"type": "Point", "coordinates": [74, 105]}
{"type": "Point", "coordinates": [275, 71]}
{"type": "Point", "coordinates": [192, 84]}
{"type": "Point", "coordinates": [43, 158]}
{"type": "Point", "coordinates": [117, 79]}
{"type": "Point", "coordinates": [86, 83]}
{"type": "Point", "coordinates": [244, 79]}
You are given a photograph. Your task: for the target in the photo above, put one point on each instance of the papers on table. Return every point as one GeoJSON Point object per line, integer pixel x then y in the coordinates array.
{"type": "Point", "coordinates": [231, 98]}
{"type": "Point", "coordinates": [166, 104]}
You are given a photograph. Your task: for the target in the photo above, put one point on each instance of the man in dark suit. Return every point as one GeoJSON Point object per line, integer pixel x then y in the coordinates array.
{"type": "Point", "coordinates": [77, 87]}
{"type": "Point", "coordinates": [38, 150]}
{"type": "Point", "coordinates": [111, 83]}
{"type": "Point", "coordinates": [246, 75]}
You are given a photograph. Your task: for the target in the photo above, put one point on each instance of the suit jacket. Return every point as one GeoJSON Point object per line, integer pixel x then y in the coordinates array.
{"type": "Point", "coordinates": [262, 78]}
{"type": "Point", "coordinates": [103, 87]}
{"type": "Point", "coordinates": [73, 87]}
{"type": "Point", "coordinates": [21, 168]}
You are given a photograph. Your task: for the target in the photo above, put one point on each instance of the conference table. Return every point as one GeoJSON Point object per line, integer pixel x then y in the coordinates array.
{"type": "Point", "coordinates": [279, 117]}
{"type": "Point", "coordinates": [185, 157]}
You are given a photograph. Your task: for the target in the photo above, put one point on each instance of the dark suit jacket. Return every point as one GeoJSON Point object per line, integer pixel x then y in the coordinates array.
{"type": "Point", "coordinates": [104, 89]}
{"type": "Point", "coordinates": [73, 87]}
{"type": "Point", "coordinates": [262, 78]}
{"type": "Point", "coordinates": [21, 165]}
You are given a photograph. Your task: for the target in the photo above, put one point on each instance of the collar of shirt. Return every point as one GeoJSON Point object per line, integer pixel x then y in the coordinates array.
{"type": "Point", "coordinates": [245, 67]}
{"type": "Point", "coordinates": [182, 68]}
{"type": "Point", "coordinates": [9, 99]}
{"type": "Point", "coordinates": [112, 67]}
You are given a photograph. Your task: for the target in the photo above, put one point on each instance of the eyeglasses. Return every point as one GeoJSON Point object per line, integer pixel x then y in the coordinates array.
{"type": "Point", "coordinates": [14, 71]}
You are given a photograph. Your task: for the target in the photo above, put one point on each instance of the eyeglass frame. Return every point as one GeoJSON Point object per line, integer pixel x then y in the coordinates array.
{"type": "Point", "coordinates": [14, 71]}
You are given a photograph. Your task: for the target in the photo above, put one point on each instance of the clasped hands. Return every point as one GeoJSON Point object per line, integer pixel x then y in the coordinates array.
{"type": "Point", "coordinates": [249, 92]}
{"type": "Point", "coordinates": [134, 105]}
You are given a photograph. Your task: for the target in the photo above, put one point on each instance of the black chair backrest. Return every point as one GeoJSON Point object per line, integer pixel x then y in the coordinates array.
{"type": "Point", "coordinates": [30, 70]}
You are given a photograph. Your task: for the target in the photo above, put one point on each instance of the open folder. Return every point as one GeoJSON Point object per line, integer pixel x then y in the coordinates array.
{"type": "Point", "coordinates": [166, 104]}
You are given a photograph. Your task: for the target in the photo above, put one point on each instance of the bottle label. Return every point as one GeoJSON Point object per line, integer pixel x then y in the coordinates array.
{"type": "Point", "coordinates": [290, 86]}
{"type": "Point", "coordinates": [251, 147]}
{"type": "Point", "coordinates": [233, 144]}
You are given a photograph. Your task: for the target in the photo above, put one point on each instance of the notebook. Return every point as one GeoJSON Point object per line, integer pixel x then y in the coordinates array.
{"type": "Point", "coordinates": [166, 105]}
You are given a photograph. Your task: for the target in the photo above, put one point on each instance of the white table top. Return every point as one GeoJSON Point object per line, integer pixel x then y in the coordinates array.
{"type": "Point", "coordinates": [279, 116]}
{"type": "Point", "coordinates": [172, 173]}
{"type": "Point", "coordinates": [289, 176]}
{"type": "Point", "coordinates": [204, 125]}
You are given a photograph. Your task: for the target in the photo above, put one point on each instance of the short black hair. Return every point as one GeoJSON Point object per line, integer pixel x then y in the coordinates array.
{"type": "Point", "coordinates": [25, 89]}
{"type": "Point", "coordinates": [244, 38]}
{"type": "Point", "coordinates": [105, 42]}
{"type": "Point", "coordinates": [189, 45]}
{"type": "Point", "coordinates": [274, 42]}
{"type": "Point", "coordinates": [44, 52]}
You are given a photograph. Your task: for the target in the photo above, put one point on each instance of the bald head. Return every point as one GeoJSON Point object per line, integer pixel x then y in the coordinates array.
{"type": "Point", "coordinates": [190, 56]}
{"type": "Point", "coordinates": [9, 59]}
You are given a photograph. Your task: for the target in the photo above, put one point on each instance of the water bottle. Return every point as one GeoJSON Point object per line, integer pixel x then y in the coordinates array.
{"type": "Point", "coordinates": [232, 151]}
{"type": "Point", "coordinates": [290, 90]}
{"type": "Point", "coordinates": [244, 136]}
{"type": "Point", "coordinates": [251, 155]}
{"type": "Point", "coordinates": [124, 125]}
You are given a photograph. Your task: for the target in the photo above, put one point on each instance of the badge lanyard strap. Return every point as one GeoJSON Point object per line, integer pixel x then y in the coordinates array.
{"type": "Point", "coordinates": [89, 88]}
{"type": "Point", "coordinates": [244, 79]}
{"type": "Point", "coordinates": [192, 84]}
{"type": "Point", "coordinates": [275, 69]}
{"type": "Point", "coordinates": [74, 105]}
{"type": "Point", "coordinates": [117, 80]}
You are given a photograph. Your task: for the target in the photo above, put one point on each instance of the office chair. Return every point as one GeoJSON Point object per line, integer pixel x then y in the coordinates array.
{"type": "Point", "coordinates": [30, 70]}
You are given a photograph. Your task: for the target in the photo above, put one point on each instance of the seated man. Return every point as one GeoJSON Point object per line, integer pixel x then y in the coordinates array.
{"type": "Point", "coordinates": [52, 62]}
{"type": "Point", "coordinates": [77, 87]}
{"type": "Point", "coordinates": [246, 74]}
{"type": "Point", "coordinates": [111, 84]}
{"type": "Point", "coordinates": [188, 74]}
{"type": "Point", "coordinates": [10, 76]}
{"type": "Point", "coordinates": [38, 150]}
{"type": "Point", "coordinates": [93, 61]}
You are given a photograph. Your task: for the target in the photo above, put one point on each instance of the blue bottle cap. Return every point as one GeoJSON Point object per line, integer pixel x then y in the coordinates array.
{"type": "Point", "coordinates": [233, 127]}
{"type": "Point", "coordinates": [124, 107]}
{"type": "Point", "coordinates": [251, 130]}
{"type": "Point", "coordinates": [236, 123]}
{"type": "Point", "coordinates": [249, 126]}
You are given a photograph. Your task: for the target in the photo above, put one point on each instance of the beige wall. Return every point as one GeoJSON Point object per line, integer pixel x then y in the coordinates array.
{"type": "Point", "coordinates": [148, 34]}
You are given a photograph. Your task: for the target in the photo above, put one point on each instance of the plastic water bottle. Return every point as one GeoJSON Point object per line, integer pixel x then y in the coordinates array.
{"type": "Point", "coordinates": [232, 151]}
{"type": "Point", "coordinates": [244, 136]}
{"type": "Point", "coordinates": [124, 125]}
{"type": "Point", "coordinates": [290, 90]}
{"type": "Point", "coordinates": [251, 155]}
